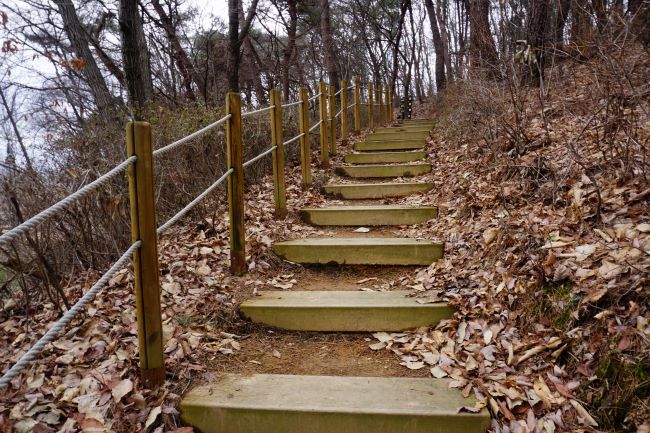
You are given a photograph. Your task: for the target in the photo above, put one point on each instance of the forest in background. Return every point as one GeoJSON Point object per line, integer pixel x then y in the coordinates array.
{"type": "Point", "coordinates": [510, 81]}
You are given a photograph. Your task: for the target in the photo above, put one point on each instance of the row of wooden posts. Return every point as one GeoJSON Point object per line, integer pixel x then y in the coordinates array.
{"type": "Point", "coordinates": [142, 204]}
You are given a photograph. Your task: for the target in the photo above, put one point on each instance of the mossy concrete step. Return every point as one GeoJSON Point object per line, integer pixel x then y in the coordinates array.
{"type": "Point", "coordinates": [398, 170]}
{"type": "Point", "coordinates": [368, 215]}
{"type": "Point", "coordinates": [343, 311]}
{"type": "Point", "coordinates": [361, 191]}
{"type": "Point", "coordinates": [384, 157]}
{"type": "Point", "coordinates": [262, 403]}
{"type": "Point", "coordinates": [404, 128]}
{"type": "Point", "coordinates": [360, 251]}
{"type": "Point", "coordinates": [389, 145]}
{"type": "Point", "coordinates": [417, 122]}
{"type": "Point", "coordinates": [398, 135]}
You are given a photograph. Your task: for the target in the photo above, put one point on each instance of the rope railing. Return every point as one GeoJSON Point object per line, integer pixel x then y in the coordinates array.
{"type": "Point", "coordinates": [296, 138]}
{"type": "Point", "coordinates": [254, 112]}
{"type": "Point", "coordinates": [64, 203]}
{"type": "Point", "coordinates": [143, 217]}
{"type": "Point", "coordinates": [58, 326]}
{"type": "Point", "coordinates": [170, 222]}
{"type": "Point", "coordinates": [291, 104]}
{"type": "Point", "coordinates": [316, 125]}
{"type": "Point", "coordinates": [260, 156]}
{"type": "Point", "coordinates": [187, 138]}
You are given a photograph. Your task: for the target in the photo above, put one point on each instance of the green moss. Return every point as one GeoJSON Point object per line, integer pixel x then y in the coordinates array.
{"type": "Point", "coordinates": [620, 384]}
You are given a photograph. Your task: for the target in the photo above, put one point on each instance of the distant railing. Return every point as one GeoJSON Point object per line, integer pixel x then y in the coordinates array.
{"type": "Point", "coordinates": [144, 230]}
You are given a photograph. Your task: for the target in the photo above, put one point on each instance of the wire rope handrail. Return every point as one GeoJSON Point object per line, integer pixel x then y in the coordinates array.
{"type": "Point", "coordinates": [339, 92]}
{"type": "Point", "coordinates": [65, 202]}
{"type": "Point", "coordinates": [291, 140]}
{"type": "Point", "coordinates": [58, 326]}
{"type": "Point", "coordinates": [316, 96]}
{"type": "Point", "coordinates": [187, 138]}
{"type": "Point", "coordinates": [260, 156]}
{"type": "Point", "coordinates": [291, 104]}
{"type": "Point", "coordinates": [316, 125]}
{"type": "Point", "coordinates": [351, 105]}
{"type": "Point", "coordinates": [339, 113]}
{"type": "Point", "coordinates": [261, 110]}
{"type": "Point", "coordinates": [193, 203]}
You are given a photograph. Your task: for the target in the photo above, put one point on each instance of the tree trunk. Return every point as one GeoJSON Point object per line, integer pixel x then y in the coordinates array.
{"type": "Point", "coordinates": [105, 102]}
{"type": "Point", "coordinates": [135, 57]}
{"type": "Point", "coordinates": [437, 46]}
{"type": "Point", "coordinates": [400, 26]}
{"type": "Point", "coordinates": [233, 45]}
{"type": "Point", "coordinates": [291, 45]}
{"type": "Point", "coordinates": [328, 44]}
{"type": "Point", "coordinates": [182, 60]}
{"type": "Point", "coordinates": [537, 36]}
{"type": "Point", "coordinates": [560, 20]}
{"type": "Point", "coordinates": [235, 39]}
{"type": "Point", "coordinates": [581, 29]}
{"type": "Point", "coordinates": [482, 51]}
{"type": "Point", "coordinates": [444, 35]}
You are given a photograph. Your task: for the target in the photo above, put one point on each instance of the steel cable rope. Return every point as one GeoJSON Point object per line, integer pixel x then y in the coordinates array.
{"type": "Point", "coordinates": [261, 110]}
{"type": "Point", "coordinates": [260, 156]}
{"type": "Point", "coordinates": [51, 333]}
{"type": "Point", "coordinates": [64, 203]}
{"type": "Point", "coordinates": [316, 125]}
{"type": "Point", "coordinates": [291, 140]}
{"type": "Point", "coordinates": [187, 138]}
{"type": "Point", "coordinates": [291, 104]}
{"type": "Point", "coordinates": [193, 203]}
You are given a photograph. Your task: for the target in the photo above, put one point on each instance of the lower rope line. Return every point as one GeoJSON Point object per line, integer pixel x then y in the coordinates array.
{"type": "Point", "coordinates": [52, 333]}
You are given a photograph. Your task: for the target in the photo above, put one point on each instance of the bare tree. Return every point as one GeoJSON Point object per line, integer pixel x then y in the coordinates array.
{"type": "Point", "coordinates": [235, 39]}
{"type": "Point", "coordinates": [437, 44]}
{"type": "Point", "coordinates": [135, 57]}
{"type": "Point", "coordinates": [483, 52]}
{"type": "Point", "coordinates": [105, 101]}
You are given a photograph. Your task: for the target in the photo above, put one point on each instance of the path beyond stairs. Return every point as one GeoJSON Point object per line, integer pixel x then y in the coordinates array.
{"type": "Point", "coordinates": [263, 403]}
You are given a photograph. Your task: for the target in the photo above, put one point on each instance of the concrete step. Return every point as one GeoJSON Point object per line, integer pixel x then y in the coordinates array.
{"type": "Point", "coordinates": [262, 403]}
{"type": "Point", "coordinates": [343, 311]}
{"type": "Point", "coordinates": [384, 157]}
{"type": "Point", "coordinates": [404, 128]}
{"type": "Point", "coordinates": [417, 122]}
{"type": "Point", "coordinates": [360, 191]}
{"type": "Point", "coordinates": [368, 215]}
{"type": "Point", "coordinates": [397, 135]}
{"type": "Point", "coordinates": [360, 251]}
{"type": "Point", "coordinates": [399, 170]}
{"type": "Point", "coordinates": [389, 145]}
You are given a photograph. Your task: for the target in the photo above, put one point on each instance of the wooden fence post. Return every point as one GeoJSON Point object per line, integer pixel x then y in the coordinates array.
{"type": "Point", "coordinates": [357, 106]}
{"type": "Point", "coordinates": [145, 258]}
{"type": "Point", "coordinates": [344, 113]}
{"type": "Point", "coordinates": [305, 140]}
{"type": "Point", "coordinates": [235, 184]}
{"type": "Point", "coordinates": [279, 192]}
{"type": "Point", "coordinates": [324, 151]}
{"type": "Point", "coordinates": [371, 107]}
{"type": "Point", "coordinates": [332, 120]}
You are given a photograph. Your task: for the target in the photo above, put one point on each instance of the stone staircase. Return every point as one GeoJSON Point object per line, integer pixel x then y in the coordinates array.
{"type": "Point", "coordinates": [325, 404]}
